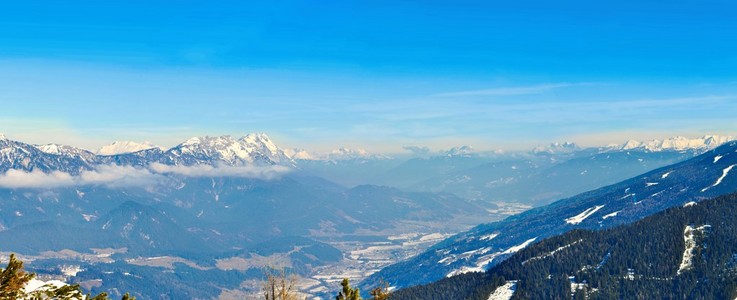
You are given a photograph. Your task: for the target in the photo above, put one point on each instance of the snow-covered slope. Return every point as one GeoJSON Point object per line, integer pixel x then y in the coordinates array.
{"type": "Point", "coordinates": [26, 157]}
{"type": "Point", "coordinates": [68, 151]}
{"type": "Point", "coordinates": [120, 147]}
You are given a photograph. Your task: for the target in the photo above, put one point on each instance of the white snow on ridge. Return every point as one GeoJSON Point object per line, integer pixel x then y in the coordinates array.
{"type": "Point", "coordinates": [504, 292]}
{"type": "Point", "coordinates": [519, 247]}
{"type": "Point", "coordinates": [691, 203]}
{"type": "Point", "coordinates": [651, 183]}
{"type": "Point", "coordinates": [690, 241]}
{"type": "Point", "coordinates": [717, 158]}
{"type": "Point", "coordinates": [725, 172]}
{"type": "Point", "coordinates": [120, 147]}
{"type": "Point", "coordinates": [666, 175]}
{"type": "Point", "coordinates": [551, 253]}
{"type": "Point", "coordinates": [582, 216]}
{"type": "Point", "coordinates": [483, 261]}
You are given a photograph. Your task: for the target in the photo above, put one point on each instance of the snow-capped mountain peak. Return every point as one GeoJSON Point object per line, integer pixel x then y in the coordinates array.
{"type": "Point", "coordinates": [262, 141]}
{"type": "Point", "coordinates": [68, 151]}
{"type": "Point", "coordinates": [252, 148]}
{"type": "Point", "coordinates": [464, 150]}
{"type": "Point", "coordinates": [121, 147]}
{"type": "Point", "coordinates": [565, 147]}
{"type": "Point", "coordinates": [678, 143]}
{"type": "Point", "coordinates": [55, 149]}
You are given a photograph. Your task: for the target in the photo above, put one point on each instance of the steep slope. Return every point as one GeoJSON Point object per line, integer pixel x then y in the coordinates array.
{"type": "Point", "coordinates": [683, 252]}
{"type": "Point", "coordinates": [702, 177]}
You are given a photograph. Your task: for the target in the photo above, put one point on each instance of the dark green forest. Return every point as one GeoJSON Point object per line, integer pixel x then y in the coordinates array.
{"type": "Point", "coordinates": [636, 261]}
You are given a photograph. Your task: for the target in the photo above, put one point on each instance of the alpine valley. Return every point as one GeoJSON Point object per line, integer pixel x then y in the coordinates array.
{"type": "Point", "coordinates": [204, 218]}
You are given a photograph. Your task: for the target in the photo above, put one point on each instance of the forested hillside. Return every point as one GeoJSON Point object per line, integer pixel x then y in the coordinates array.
{"type": "Point", "coordinates": [685, 252]}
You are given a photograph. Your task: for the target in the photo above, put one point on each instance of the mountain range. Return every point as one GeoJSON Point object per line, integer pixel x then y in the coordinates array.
{"type": "Point", "coordinates": [216, 206]}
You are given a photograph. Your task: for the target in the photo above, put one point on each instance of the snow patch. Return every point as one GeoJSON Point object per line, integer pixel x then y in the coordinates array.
{"type": "Point", "coordinates": [666, 175]}
{"type": "Point", "coordinates": [40, 285]}
{"type": "Point", "coordinates": [582, 216]}
{"type": "Point", "coordinates": [504, 292]}
{"type": "Point", "coordinates": [649, 184]}
{"type": "Point", "coordinates": [627, 196]}
{"type": "Point", "coordinates": [614, 214]}
{"type": "Point", "coordinates": [691, 203]}
{"type": "Point", "coordinates": [488, 237]}
{"type": "Point", "coordinates": [717, 158]}
{"type": "Point", "coordinates": [690, 241]}
{"type": "Point", "coordinates": [725, 172]}
{"type": "Point", "coordinates": [656, 194]}
{"type": "Point", "coordinates": [71, 271]}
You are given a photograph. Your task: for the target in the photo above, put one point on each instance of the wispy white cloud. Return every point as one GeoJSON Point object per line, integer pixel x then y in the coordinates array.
{"type": "Point", "coordinates": [511, 91]}
{"type": "Point", "coordinates": [35, 179]}
{"type": "Point", "coordinates": [118, 176]}
{"type": "Point", "coordinates": [109, 175]}
{"type": "Point", "coordinates": [256, 172]}
{"type": "Point", "coordinates": [128, 176]}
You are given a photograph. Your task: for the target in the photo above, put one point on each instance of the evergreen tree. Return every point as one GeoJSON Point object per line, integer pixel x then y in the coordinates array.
{"type": "Point", "coordinates": [348, 292]}
{"type": "Point", "coordinates": [12, 280]}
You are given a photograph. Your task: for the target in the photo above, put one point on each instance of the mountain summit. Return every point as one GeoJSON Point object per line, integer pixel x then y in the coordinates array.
{"type": "Point", "coordinates": [121, 147]}
{"type": "Point", "coordinates": [254, 148]}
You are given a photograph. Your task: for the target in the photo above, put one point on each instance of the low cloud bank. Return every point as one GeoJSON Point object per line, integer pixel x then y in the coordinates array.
{"type": "Point", "coordinates": [125, 176]}
{"type": "Point", "coordinates": [256, 172]}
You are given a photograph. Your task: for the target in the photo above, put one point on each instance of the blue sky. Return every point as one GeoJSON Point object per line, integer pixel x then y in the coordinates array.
{"type": "Point", "coordinates": [372, 74]}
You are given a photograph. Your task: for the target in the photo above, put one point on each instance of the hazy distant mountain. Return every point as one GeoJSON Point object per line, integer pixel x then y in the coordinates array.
{"type": "Point", "coordinates": [544, 177]}
{"type": "Point", "coordinates": [702, 177]}
{"type": "Point", "coordinates": [554, 148]}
